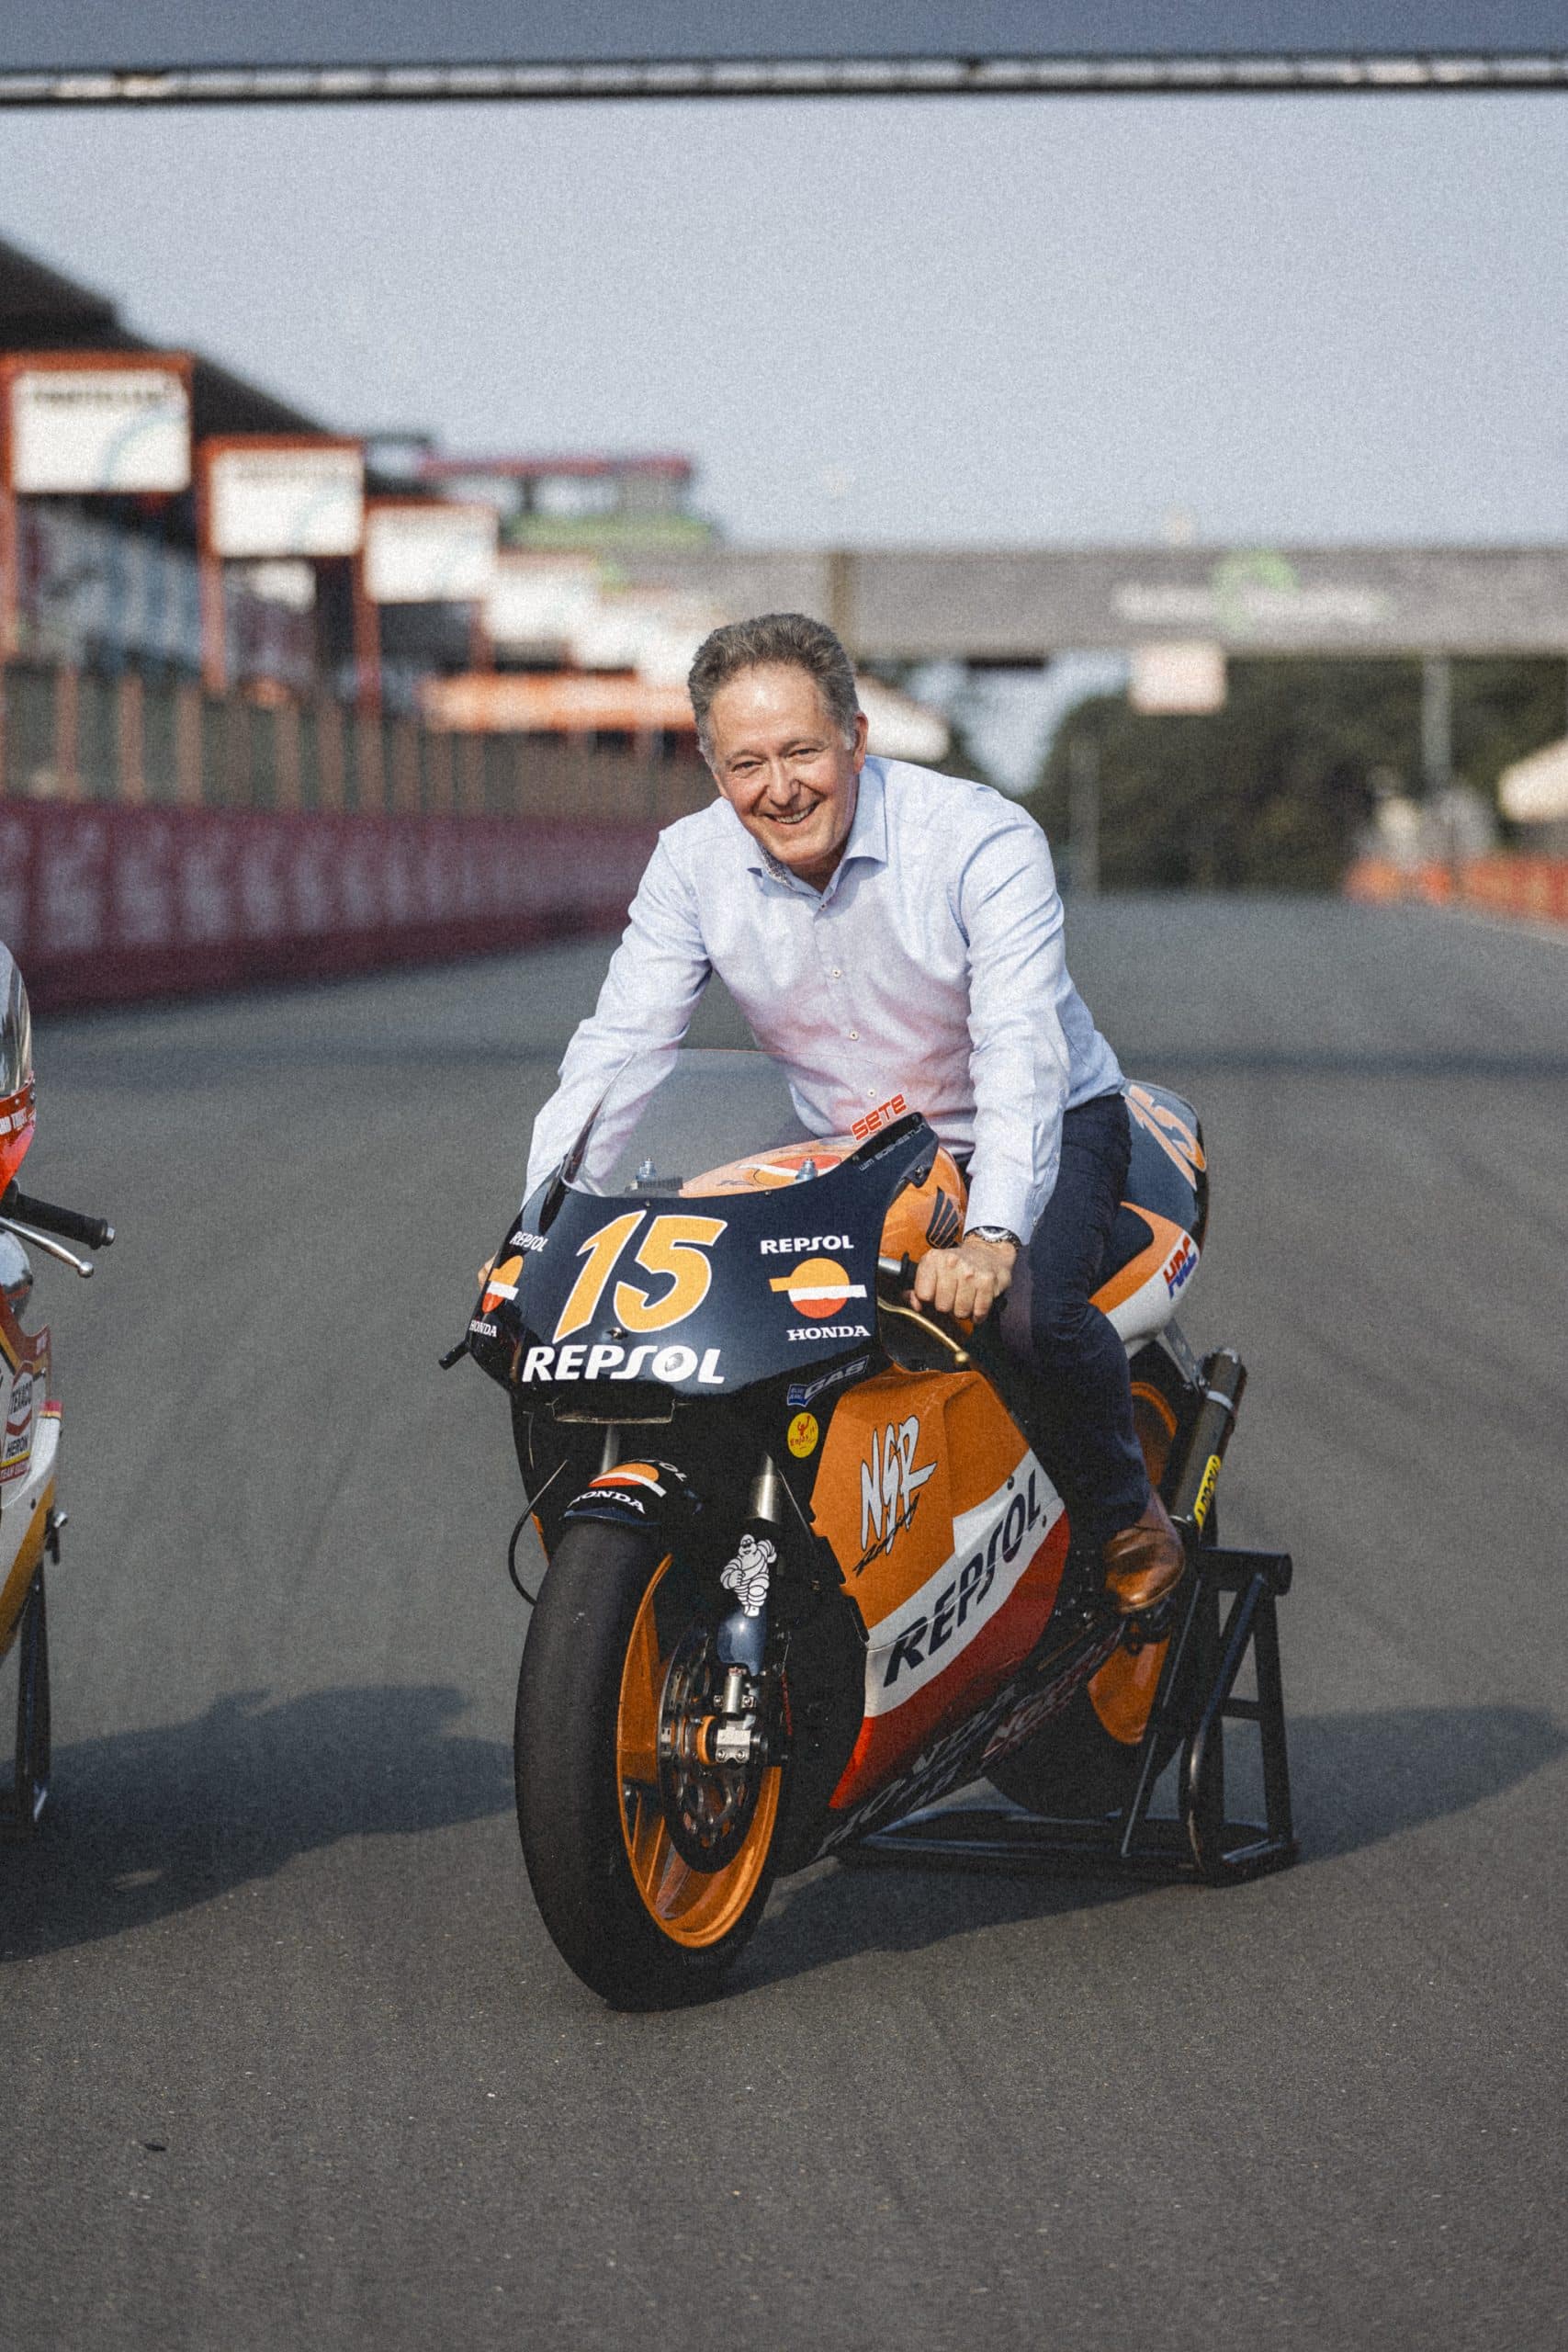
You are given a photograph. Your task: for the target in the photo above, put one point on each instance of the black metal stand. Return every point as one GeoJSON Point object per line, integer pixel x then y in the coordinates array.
{"type": "Point", "coordinates": [1197, 1692]}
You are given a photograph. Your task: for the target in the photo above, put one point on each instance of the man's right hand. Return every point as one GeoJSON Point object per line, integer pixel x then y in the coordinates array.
{"type": "Point", "coordinates": [965, 1282]}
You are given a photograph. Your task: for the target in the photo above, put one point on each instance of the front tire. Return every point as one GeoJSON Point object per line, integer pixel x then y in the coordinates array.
{"type": "Point", "coordinates": [640, 1923]}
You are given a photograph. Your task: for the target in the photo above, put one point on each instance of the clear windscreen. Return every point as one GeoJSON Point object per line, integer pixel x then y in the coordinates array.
{"type": "Point", "coordinates": [712, 1106]}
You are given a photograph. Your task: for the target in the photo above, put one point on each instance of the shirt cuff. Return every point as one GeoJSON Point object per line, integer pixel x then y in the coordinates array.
{"type": "Point", "coordinates": [999, 1199]}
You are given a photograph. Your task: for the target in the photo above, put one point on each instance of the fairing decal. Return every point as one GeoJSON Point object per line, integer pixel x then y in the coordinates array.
{"type": "Point", "coordinates": [893, 1748]}
{"type": "Point", "coordinates": [993, 1546]}
{"type": "Point", "coordinates": [951, 1540]}
{"type": "Point", "coordinates": [24, 1522]}
{"type": "Point", "coordinates": [1140, 1298]}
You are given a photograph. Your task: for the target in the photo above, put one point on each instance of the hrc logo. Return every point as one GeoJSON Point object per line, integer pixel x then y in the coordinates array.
{"type": "Point", "coordinates": [1181, 1266]}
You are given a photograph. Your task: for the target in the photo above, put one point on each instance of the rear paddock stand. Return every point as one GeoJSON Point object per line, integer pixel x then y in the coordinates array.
{"type": "Point", "coordinates": [1198, 1685]}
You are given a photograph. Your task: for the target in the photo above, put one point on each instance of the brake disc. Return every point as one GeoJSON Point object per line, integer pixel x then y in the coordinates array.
{"type": "Point", "coordinates": [707, 1807]}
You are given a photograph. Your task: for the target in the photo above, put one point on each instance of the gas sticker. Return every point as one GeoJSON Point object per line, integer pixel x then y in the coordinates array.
{"type": "Point", "coordinates": [804, 1434]}
{"type": "Point", "coordinates": [801, 1392]}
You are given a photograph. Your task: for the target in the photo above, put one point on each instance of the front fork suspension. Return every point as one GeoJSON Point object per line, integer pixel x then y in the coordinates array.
{"type": "Point", "coordinates": [732, 1736]}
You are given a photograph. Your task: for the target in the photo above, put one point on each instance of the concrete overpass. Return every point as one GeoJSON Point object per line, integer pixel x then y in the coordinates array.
{"type": "Point", "coordinates": [1004, 605]}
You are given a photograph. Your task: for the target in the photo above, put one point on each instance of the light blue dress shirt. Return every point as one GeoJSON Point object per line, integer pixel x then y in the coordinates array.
{"type": "Point", "coordinates": [932, 966]}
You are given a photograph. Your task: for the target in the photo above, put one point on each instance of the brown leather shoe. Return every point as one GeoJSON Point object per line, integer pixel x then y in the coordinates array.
{"type": "Point", "coordinates": [1144, 1562]}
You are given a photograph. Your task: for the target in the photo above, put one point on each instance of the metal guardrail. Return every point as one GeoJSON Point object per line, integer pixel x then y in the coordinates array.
{"type": "Point", "coordinates": [136, 738]}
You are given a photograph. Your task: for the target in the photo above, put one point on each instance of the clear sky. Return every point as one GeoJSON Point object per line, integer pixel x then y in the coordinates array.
{"type": "Point", "coordinates": [949, 319]}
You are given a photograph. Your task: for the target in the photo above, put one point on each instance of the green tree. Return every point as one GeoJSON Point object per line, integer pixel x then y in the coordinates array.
{"type": "Point", "coordinates": [1271, 792]}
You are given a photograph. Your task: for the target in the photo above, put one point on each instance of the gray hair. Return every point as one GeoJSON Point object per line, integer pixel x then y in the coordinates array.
{"type": "Point", "coordinates": [774, 640]}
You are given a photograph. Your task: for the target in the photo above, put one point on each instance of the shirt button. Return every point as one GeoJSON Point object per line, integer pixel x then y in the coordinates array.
{"type": "Point", "coordinates": [835, 974]}
{"type": "Point", "coordinates": [853, 1033]}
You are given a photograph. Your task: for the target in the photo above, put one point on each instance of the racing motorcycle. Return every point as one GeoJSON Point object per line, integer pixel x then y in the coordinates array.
{"type": "Point", "coordinates": [31, 1520]}
{"type": "Point", "coordinates": [809, 1571]}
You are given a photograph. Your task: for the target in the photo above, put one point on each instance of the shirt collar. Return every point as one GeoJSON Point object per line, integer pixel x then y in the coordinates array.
{"type": "Point", "coordinates": [868, 837]}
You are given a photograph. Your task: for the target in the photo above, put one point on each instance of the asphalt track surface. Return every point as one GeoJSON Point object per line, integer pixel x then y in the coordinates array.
{"type": "Point", "coordinates": [287, 2058]}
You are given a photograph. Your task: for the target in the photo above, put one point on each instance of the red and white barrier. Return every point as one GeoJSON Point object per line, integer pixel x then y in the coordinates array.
{"type": "Point", "coordinates": [101, 903]}
{"type": "Point", "coordinates": [1531, 890]}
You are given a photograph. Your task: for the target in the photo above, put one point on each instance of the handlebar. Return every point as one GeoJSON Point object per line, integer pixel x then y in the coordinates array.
{"type": "Point", "coordinates": [980, 1344]}
{"type": "Point", "coordinates": [70, 1225]}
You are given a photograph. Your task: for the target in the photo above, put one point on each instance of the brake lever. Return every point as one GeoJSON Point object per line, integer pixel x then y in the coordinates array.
{"type": "Point", "coordinates": [47, 1244]}
{"type": "Point", "coordinates": [977, 1345]}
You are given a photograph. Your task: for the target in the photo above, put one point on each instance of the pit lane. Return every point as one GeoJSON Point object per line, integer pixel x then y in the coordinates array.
{"type": "Point", "coordinates": [289, 2056]}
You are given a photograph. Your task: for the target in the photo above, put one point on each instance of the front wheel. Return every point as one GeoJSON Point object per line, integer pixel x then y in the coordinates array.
{"type": "Point", "coordinates": [649, 1868]}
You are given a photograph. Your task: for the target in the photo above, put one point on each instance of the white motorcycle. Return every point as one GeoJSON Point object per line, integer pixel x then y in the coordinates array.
{"type": "Point", "coordinates": [30, 1519]}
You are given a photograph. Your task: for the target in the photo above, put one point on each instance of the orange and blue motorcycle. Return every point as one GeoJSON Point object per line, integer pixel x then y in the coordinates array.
{"type": "Point", "coordinates": [30, 1519]}
{"type": "Point", "coordinates": [809, 1573]}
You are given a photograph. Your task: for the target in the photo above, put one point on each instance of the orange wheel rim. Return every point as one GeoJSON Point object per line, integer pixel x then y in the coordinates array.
{"type": "Point", "coordinates": [1154, 1417]}
{"type": "Point", "coordinates": [691, 1907]}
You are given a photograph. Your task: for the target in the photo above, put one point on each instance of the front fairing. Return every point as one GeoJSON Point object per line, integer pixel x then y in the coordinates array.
{"type": "Point", "coordinates": [700, 1296]}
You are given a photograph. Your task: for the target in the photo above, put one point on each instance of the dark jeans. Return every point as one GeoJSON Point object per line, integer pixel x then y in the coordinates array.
{"type": "Point", "coordinates": [1079, 1365]}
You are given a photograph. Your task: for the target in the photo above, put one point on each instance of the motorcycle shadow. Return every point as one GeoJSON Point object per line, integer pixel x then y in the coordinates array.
{"type": "Point", "coordinates": [145, 1824]}
{"type": "Point", "coordinates": [1356, 1780]}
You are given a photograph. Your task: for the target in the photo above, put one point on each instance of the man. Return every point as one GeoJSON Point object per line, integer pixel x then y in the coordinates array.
{"type": "Point", "coordinates": [888, 931]}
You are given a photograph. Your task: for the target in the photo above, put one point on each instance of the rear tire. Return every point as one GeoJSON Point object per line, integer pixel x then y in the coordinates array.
{"type": "Point", "coordinates": [639, 1923]}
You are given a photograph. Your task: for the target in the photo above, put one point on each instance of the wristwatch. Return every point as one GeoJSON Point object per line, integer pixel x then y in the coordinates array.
{"type": "Point", "coordinates": [995, 1233]}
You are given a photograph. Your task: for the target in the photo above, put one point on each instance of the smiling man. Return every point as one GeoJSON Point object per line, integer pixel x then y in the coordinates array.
{"type": "Point", "coordinates": [887, 930]}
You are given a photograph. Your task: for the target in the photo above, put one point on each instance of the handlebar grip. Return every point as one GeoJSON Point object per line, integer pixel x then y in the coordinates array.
{"type": "Point", "coordinates": [68, 1225]}
{"type": "Point", "coordinates": [900, 1271]}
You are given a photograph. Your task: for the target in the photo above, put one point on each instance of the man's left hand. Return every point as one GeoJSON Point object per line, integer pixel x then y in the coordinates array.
{"type": "Point", "coordinates": [967, 1282]}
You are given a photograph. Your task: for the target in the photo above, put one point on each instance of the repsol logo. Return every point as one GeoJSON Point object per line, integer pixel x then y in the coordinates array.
{"type": "Point", "coordinates": [607, 1362]}
{"type": "Point", "coordinates": [790, 1245]}
{"type": "Point", "coordinates": [998, 1552]}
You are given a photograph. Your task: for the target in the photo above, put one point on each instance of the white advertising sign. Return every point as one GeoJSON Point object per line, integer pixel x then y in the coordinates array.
{"type": "Point", "coordinates": [536, 604]}
{"type": "Point", "coordinates": [1177, 678]}
{"type": "Point", "coordinates": [1534, 791]}
{"type": "Point", "coordinates": [299, 502]}
{"type": "Point", "coordinates": [434, 554]}
{"type": "Point", "coordinates": [85, 430]}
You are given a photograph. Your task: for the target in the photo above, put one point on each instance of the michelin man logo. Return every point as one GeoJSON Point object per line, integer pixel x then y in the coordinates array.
{"type": "Point", "coordinates": [747, 1575]}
